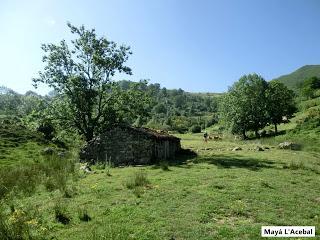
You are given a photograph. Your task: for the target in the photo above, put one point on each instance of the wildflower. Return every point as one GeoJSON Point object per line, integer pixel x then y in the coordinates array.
{"type": "Point", "coordinates": [32, 222]}
{"type": "Point", "coordinates": [17, 215]}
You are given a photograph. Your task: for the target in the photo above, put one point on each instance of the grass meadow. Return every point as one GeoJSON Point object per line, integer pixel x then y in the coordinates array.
{"type": "Point", "coordinates": [219, 194]}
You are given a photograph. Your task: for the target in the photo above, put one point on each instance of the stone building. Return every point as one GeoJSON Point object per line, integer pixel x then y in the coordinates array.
{"type": "Point", "coordinates": [126, 145]}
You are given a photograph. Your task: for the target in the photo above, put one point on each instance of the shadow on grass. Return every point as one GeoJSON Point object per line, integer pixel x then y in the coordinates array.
{"type": "Point", "coordinates": [235, 161]}
{"type": "Point", "coordinates": [222, 161]}
{"type": "Point", "coordinates": [268, 135]}
{"type": "Point", "coordinates": [181, 159]}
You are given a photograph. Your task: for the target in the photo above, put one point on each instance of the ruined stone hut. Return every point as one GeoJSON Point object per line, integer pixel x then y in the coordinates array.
{"type": "Point", "coordinates": [126, 145]}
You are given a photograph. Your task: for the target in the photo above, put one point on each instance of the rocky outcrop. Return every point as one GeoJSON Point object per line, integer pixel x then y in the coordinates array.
{"type": "Point", "coordinates": [259, 149]}
{"type": "Point", "coordinates": [289, 145]}
{"type": "Point", "coordinates": [236, 149]}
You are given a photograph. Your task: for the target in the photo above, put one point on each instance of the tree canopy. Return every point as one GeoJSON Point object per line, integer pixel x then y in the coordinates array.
{"type": "Point", "coordinates": [81, 74]}
{"type": "Point", "coordinates": [244, 105]}
{"type": "Point", "coordinates": [252, 103]}
{"type": "Point", "coordinates": [280, 103]}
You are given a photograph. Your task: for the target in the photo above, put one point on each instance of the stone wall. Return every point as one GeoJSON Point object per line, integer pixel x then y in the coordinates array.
{"type": "Point", "coordinates": [127, 146]}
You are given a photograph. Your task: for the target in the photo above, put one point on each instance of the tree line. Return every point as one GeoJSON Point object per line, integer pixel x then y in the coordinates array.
{"type": "Point", "coordinates": [176, 109]}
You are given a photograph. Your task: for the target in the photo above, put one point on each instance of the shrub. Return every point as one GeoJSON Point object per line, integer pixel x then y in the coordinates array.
{"type": "Point", "coordinates": [211, 121]}
{"type": "Point", "coordinates": [47, 129]}
{"type": "Point", "coordinates": [181, 129]}
{"type": "Point", "coordinates": [181, 124]}
{"type": "Point", "coordinates": [195, 129]}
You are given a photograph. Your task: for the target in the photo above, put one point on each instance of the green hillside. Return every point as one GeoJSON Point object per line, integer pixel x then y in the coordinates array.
{"type": "Point", "coordinates": [217, 194]}
{"type": "Point", "coordinates": [293, 79]}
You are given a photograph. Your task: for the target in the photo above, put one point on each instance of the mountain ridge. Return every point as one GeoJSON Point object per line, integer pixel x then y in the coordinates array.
{"type": "Point", "coordinates": [293, 79]}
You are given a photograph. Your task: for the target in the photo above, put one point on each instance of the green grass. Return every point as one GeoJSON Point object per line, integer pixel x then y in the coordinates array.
{"type": "Point", "coordinates": [18, 145]}
{"type": "Point", "coordinates": [311, 103]}
{"type": "Point", "coordinates": [293, 79]}
{"type": "Point", "coordinates": [218, 195]}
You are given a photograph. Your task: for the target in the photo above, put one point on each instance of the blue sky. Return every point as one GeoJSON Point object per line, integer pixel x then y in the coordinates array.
{"type": "Point", "coordinates": [197, 45]}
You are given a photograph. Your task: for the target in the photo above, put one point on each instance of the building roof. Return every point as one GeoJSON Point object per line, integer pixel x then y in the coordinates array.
{"type": "Point", "coordinates": [157, 134]}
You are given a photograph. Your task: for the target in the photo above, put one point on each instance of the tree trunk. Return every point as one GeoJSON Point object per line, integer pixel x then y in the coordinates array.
{"type": "Point", "coordinates": [275, 129]}
{"type": "Point", "coordinates": [244, 134]}
{"type": "Point", "coordinates": [256, 133]}
{"type": "Point", "coordinates": [89, 135]}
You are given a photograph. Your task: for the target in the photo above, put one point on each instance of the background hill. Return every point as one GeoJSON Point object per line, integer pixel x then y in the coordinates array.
{"type": "Point", "coordinates": [176, 109]}
{"type": "Point", "coordinates": [293, 79]}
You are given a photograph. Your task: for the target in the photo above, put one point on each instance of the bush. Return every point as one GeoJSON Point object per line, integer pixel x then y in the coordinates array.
{"type": "Point", "coordinates": [195, 129]}
{"type": "Point", "coordinates": [211, 121]}
{"type": "Point", "coordinates": [180, 129]}
{"type": "Point", "coordinates": [47, 129]}
{"type": "Point", "coordinates": [181, 124]}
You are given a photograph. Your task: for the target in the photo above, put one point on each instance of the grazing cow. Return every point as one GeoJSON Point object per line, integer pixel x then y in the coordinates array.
{"type": "Point", "coordinates": [285, 119]}
{"type": "Point", "coordinates": [217, 137]}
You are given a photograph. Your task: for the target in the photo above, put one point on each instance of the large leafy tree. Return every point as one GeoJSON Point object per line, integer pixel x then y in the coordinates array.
{"type": "Point", "coordinates": [81, 75]}
{"type": "Point", "coordinates": [280, 103]}
{"type": "Point", "coordinates": [244, 106]}
{"type": "Point", "coordinates": [252, 103]}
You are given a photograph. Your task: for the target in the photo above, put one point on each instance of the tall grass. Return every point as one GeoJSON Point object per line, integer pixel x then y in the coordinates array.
{"type": "Point", "coordinates": [137, 182]}
{"type": "Point", "coordinates": [138, 179]}
{"type": "Point", "coordinates": [19, 224]}
{"type": "Point", "coordinates": [51, 171]}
